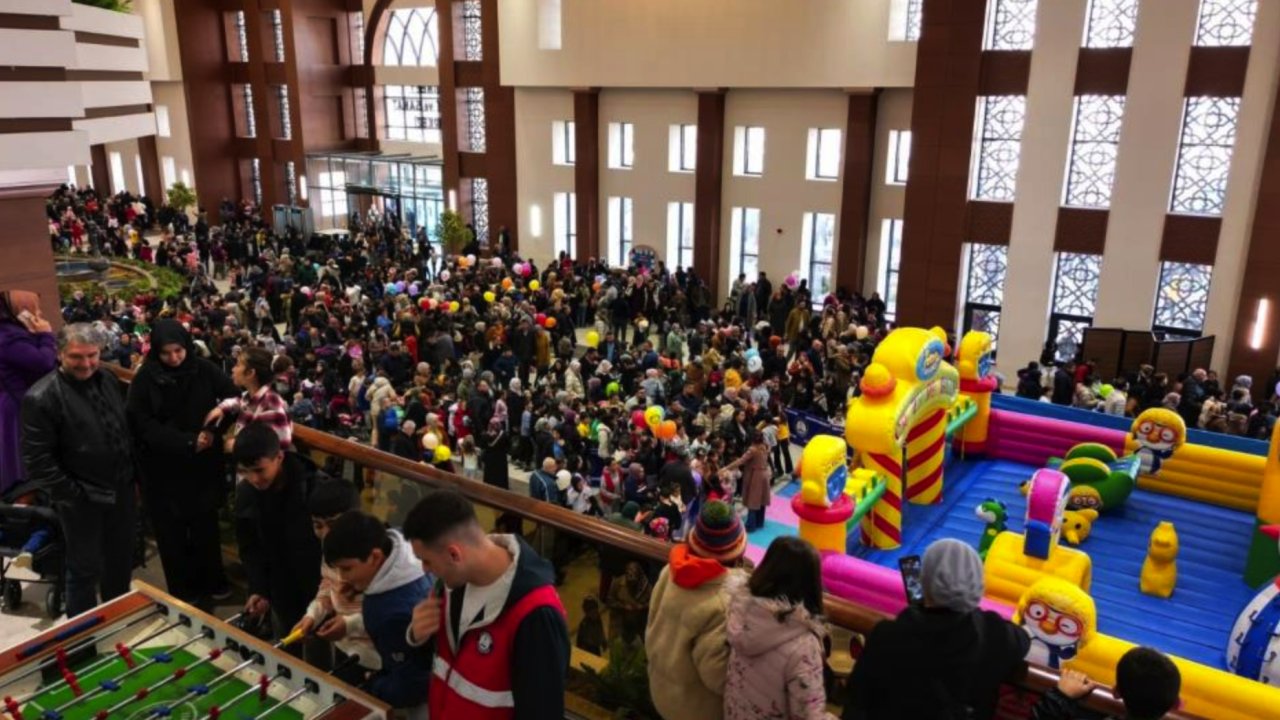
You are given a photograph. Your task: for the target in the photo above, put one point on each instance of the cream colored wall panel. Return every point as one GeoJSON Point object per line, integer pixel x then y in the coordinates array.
{"type": "Point", "coordinates": [1144, 167]}
{"type": "Point", "coordinates": [160, 38]}
{"type": "Point", "coordinates": [115, 93]}
{"type": "Point", "coordinates": [1046, 139]}
{"type": "Point", "coordinates": [37, 48]}
{"type": "Point", "coordinates": [128, 150]}
{"type": "Point", "coordinates": [47, 8]}
{"type": "Point", "coordinates": [35, 151]}
{"type": "Point", "coordinates": [648, 183]}
{"type": "Point", "coordinates": [707, 43]}
{"type": "Point", "coordinates": [396, 147]}
{"type": "Point", "coordinates": [87, 18]}
{"type": "Point", "coordinates": [782, 193]}
{"type": "Point", "coordinates": [399, 75]}
{"type": "Point", "coordinates": [109, 57]}
{"type": "Point", "coordinates": [114, 129]}
{"type": "Point", "coordinates": [40, 100]}
{"type": "Point", "coordinates": [893, 112]}
{"type": "Point", "coordinates": [1256, 108]}
{"type": "Point", "coordinates": [537, 179]}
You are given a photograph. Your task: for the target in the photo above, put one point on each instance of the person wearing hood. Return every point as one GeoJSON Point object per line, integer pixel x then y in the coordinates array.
{"type": "Point", "coordinates": [379, 563]}
{"type": "Point", "coordinates": [775, 630]}
{"type": "Point", "coordinates": [940, 659]}
{"type": "Point", "coordinates": [182, 471]}
{"type": "Point", "coordinates": [685, 637]}
{"type": "Point", "coordinates": [496, 628]}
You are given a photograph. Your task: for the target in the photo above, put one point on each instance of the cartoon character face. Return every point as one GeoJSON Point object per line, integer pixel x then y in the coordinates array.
{"type": "Point", "coordinates": [1159, 430]}
{"type": "Point", "coordinates": [1084, 497]}
{"type": "Point", "coordinates": [1164, 543]}
{"type": "Point", "coordinates": [930, 359]}
{"type": "Point", "coordinates": [1050, 626]}
{"type": "Point", "coordinates": [1156, 436]}
{"type": "Point", "coordinates": [992, 511]}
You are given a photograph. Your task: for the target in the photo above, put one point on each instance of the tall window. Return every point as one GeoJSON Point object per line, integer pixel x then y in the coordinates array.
{"type": "Point", "coordinates": [472, 47]}
{"type": "Point", "coordinates": [170, 168]}
{"type": "Point", "coordinates": [819, 239]}
{"type": "Point", "coordinates": [679, 235]}
{"type": "Point", "coordinates": [355, 26]}
{"type": "Point", "coordinates": [622, 153]}
{"type": "Point", "coordinates": [282, 104]}
{"type": "Point", "coordinates": [291, 182]}
{"type": "Point", "coordinates": [899, 158]}
{"type": "Point", "coordinates": [1000, 120]}
{"type": "Point", "coordinates": [332, 190]}
{"type": "Point", "coordinates": [1011, 24]}
{"type": "Point", "coordinates": [748, 151]}
{"type": "Point", "coordinates": [1226, 22]}
{"type": "Point", "coordinates": [255, 179]}
{"type": "Point", "coordinates": [413, 37]}
{"type": "Point", "coordinates": [1204, 155]}
{"type": "Point", "coordinates": [620, 232]}
{"type": "Point", "coordinates": [822, 162]}
{"type": "Point", "coordinates": [1182, 298]}
{"type": "Point", "coordinates": [683, 148]}
{"type": "Point", "coordinates": [915, 16]}
{"type": "Point", "coordinates": [744, 242]}
{"type": "Point", "coordinates": [1111, 23]}
{"type": "Point", "coordinates": [891, 262]}
{"type": "Point", "coordinates": [248, 127]}
{"type": "Point", "coordinates": [142, 180]}
{"type": "Point", "coordinates": [162, 121]}
{"type": "Point", "coordinates": [562, 142]}
{"type": "Point", "coordinates": [412, 112]}
{"type": "Point", "coordinates": [242, 36]}
{"type": "Point", "coordinates": [474, 101]}
{"type": "Point", "coordinates": [565, 221]}
{"type": "Point", "coordinates": [1095, 139]}
{"type": "Point", "coordinates": [1075, 298]}
{"type": "Point", "coordinates": [277, 34]}
{"type": "Point", "coordinates": [480, 208]}
{"type": "Point", "coordinates": [986, 268]}
{"type": "Point", "coordinates": [117, 172]}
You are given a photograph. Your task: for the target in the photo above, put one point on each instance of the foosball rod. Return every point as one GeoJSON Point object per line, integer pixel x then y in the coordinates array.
{"type": "Point", "coordinates": [283, 702]}
{"type": "Point", "coordinates": [166, 656]}
{"type": "Point", "coordinates": [22, 700]}
{"type": "Point", "coordinates": [63, 634]}
{"type": "Point", "coordinates": [215, 710]}
{"type": "Point", "coordinates": [203, 688]}
{"type": "Point", "coordinates": [86, 642]}
{"type": "Point", "coordinates": [112, 685]}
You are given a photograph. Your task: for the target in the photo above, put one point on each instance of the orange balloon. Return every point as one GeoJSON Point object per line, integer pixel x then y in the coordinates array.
{"type": "Point", "coordinates": [667, 430]}
{"type": "Point", "coordinates": [506, 283]}
{"type": "Point", "coordinates": [551, 322]}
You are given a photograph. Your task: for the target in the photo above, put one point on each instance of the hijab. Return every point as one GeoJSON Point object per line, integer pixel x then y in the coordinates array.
{"type": "Point", "coordinates": [169, 332]}
{"type": "Point", "coordinates": [13, 302]}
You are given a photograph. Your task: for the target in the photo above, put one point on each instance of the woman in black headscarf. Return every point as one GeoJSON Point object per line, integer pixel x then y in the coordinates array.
{"type": "Point", "coordinates": [182, 471]}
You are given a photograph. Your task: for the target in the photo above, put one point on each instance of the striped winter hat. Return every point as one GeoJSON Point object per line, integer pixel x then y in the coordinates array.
{"type": "Point", "coordinates": [718, 535]}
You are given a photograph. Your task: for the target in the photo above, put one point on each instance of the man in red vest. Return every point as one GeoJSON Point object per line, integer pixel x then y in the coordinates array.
{"type": "Point", "coordinates": [498, 634]}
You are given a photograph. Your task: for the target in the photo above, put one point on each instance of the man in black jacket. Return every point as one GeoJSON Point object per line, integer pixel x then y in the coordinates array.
{"type": "Point", "coordinates": [77, 448]}
{"type": "Point", "coordinates": [278, 547]}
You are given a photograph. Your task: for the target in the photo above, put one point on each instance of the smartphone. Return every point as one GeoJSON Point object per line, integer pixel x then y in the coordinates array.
{"type": "Point", "coordinates": [910, 567]}
{"type": "Point", "coordinates": [26, 317]}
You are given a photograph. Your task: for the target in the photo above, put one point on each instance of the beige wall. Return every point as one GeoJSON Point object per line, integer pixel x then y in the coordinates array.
{"type": "Point", "coordinates": [537, 179]}
{"type": "Point", "coordinates": [161, 42]}
{"type": "Point", "coordinates": [178, 144]}
{"type": "Point", "coordinates": [707, 43]}
{"type": "Point", "coordinates": [893, 112]}
{"type": "Point", "coordinates": [648, 183]}
{"type": "Point", "coordinates": [782, 193]}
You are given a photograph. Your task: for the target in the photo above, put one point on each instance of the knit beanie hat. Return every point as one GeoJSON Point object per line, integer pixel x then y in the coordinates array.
{"type": "Point", "coordinates": [718, 534]}
{"type": "Point", "coordinates": [952, 575]}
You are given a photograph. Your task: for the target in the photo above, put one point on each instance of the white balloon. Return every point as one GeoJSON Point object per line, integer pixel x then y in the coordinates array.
{"type": "Point", "coordinates": [430, 441]}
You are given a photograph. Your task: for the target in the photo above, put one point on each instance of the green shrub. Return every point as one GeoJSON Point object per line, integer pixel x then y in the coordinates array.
{"type": "Point", "coordinates": [123, 6]}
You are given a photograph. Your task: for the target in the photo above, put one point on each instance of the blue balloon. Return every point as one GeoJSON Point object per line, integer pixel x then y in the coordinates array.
{"type": "Point", "coordinates": [752, 352]}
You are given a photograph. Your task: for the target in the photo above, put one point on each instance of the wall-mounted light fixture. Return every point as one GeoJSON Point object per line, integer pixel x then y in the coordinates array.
{"type": "Point", "coordinates": [535, 221]}
{"type": "Point", "coordinates": [1258, 335]}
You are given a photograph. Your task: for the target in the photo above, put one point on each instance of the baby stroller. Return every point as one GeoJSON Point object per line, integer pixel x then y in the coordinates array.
{"type": "Point", "coordinates": [17, 524]}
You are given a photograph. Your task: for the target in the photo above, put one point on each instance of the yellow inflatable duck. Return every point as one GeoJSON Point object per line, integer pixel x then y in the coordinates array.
{"type": "Point", "coordinates": [1077, 524]}
{"type": "Point", "coordinates": [1160, 569]}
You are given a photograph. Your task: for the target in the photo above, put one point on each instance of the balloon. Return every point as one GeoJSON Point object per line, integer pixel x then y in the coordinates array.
{"type": "Point", "coordinates": [583, 430]}
{"type": "Point", "coordinates": [425, 303]}
{"type": "Point", "coordinates": [391, 288]}
{"type": "Point", "coordinates": [752, 352]}
{"type": "Point", "coordinates": [442, 454]}
{"type": "Point", "coordinates": [507, 283]}
{"type": "Point", "coordinates": [430, 441]}
{"type": "Point", "coordinates": [861, 332]}
{"type": "Point", "coordinates": [551, 322]}
{"type": "Point", "coordinates": [637, 417]}
{"type": "Point", "coordinates": [489, 296]}
{"type": "Point", "coordinates": [792, 281]}
{"type": "Point", "coordinates": [755, 364]}
{"type": "Point", "coordinates": [471, 260]}
{"type": "Point", "coordinates": [414, 289]}
{"type": "Point", "coordinates": [444, 276]}
{"type": "Point", "coordinates": [453, 306]}
{"type": "Point", "coordinates": [540, 319]}
{"type": "Point", "coordinates": [593, 339]}
{"type": "Point", "coordinates": [496, 263]}
{"type": "Point", "coordinates": [613, 389]}
{"type": "Point", "coordinates": [526, 270]}
{"type": "Point", "coordinates": [654, 416]}
{"type": "Point", "coordinates": [667, 430]}
{"type": "Point", "coordinates": [534, 285]}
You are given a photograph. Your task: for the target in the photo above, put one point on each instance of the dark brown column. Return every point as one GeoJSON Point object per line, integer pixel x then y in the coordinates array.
{"type": "Point", "coordinates": [155, 188]}
{"type": "Point", "coordinates": [708, 186]}
{"type": "Point", "coordinates": [25, 245]}
{"type": "Point", "coordinates": [855, 198]}
{"type": "Point", "coordinates": [1261, 268]}
{"type": "Point", "coordinates": [448, 97]}
{"type": "Point", "coordinates": [206, 85]}
{"type": "Point", "coordinates": [500, 130]}
{"type": "Point", "coordinates": [99, 171]}
{"type": "Point", "coordinates": [586, 171]}
{"type": "Point", "coordinates": [948, 71]}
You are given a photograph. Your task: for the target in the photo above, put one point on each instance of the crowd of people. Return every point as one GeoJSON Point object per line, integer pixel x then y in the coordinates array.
{"type": "Point", "coordinates": [623, 391]}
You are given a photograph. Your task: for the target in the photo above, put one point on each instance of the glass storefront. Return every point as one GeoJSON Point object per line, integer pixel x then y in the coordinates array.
{"type": "Point", "coordinates": [348, 187]}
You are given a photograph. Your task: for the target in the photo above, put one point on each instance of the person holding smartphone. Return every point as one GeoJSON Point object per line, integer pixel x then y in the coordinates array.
{"type": "Point", "coordinates": [28, 352]}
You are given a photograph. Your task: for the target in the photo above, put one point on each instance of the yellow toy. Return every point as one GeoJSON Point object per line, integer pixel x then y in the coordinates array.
{"type": "Point", "coordinates": [1160, 569]}
{"type": "Point", "coordinates": [822, 505]}
{"type": "Point", "coordinates": [974, 362]}
{"type": "Point", "coordinates": [1060, 618]}
{"type": "Point", "coordinates": [1077, 524]}
{"type": "Point", "coordinates": [1158, 433]}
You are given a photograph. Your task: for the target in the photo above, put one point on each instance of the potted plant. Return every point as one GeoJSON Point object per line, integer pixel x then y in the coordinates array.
{"type": "Point", "coordinates": [451, 232]}
{"type": "Point", "coordinates": [624, 684]}
{"type": "Point", "coordinates": [180, 197]}
{"type": "Point", "coordinates": [123, 6]}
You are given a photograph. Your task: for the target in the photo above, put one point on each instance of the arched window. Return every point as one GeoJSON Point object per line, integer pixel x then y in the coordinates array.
{"type": "Point", "coordinates": [412, 38]}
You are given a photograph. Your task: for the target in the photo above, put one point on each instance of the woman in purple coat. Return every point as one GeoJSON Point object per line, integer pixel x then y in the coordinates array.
{"type": "Point", "coordinates": [28, 352]}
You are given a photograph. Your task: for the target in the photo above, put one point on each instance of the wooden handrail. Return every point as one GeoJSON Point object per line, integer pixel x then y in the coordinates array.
{"type": "Point", "coordinates": [839, 611]}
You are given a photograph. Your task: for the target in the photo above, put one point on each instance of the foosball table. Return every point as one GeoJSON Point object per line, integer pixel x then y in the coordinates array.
{"type": "Point", "coordinates": [149, 656]}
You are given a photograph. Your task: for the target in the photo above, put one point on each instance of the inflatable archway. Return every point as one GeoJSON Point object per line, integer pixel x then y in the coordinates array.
{"type": "Point", "coordinates": [898, 425]}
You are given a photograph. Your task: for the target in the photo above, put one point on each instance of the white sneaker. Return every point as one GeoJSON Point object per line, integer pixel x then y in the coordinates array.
{"type": "Point", "coordinates": [20, 568]}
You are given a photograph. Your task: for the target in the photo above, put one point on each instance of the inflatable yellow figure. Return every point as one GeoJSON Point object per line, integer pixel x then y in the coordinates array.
{"type": "Point", "coordinates": [974, 362]}
{"type": "Point", "coordinates": [1160, 569]}
{"type": "Point", "coordinates": [1158, 432]}
{"type": "Point", "coordinates": [1060, 618]}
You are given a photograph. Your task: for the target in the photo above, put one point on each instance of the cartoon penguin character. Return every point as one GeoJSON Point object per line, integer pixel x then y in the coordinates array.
{"type": "Point", "coordinates": [1158, 432]}
{"type": "Point", "coordinates": [1254, 648]}
{"type": "Point", "coordinates": [1060, 618]}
